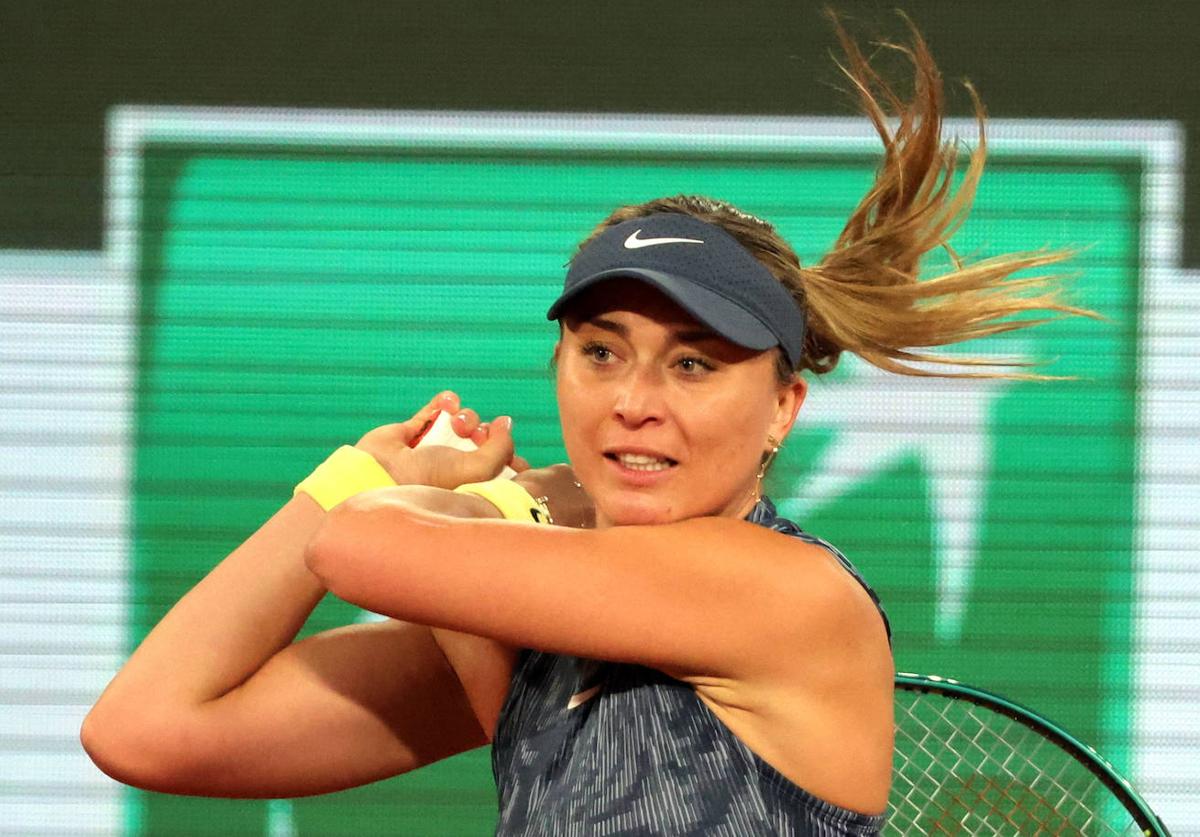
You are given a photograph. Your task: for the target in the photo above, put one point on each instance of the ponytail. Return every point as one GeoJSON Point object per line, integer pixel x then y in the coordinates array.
{"type": "Point", "coordinates": [865, 295]}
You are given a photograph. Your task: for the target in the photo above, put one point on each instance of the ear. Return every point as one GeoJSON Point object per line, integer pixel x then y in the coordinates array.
{"type": "Point", "coordinates": [790, 398]}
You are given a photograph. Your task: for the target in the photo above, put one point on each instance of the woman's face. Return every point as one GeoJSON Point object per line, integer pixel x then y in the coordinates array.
{"type": "Point", "coordinates": [664, 420]}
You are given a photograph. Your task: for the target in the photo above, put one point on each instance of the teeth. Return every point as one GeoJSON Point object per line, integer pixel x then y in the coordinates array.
{"type": "Point", "coordinates": [641, 462]}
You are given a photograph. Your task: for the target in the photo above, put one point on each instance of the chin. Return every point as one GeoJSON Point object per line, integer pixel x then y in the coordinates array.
{"type": "Point", "coordinates": [643, 512]}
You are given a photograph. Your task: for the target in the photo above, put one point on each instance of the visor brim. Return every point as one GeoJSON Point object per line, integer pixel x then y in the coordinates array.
{"type": "Point", "coordinates": [726, 318]}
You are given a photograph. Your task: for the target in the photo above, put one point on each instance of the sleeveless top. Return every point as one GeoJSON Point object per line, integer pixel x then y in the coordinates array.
{"type": "Point", "coordinates": [638, 753]}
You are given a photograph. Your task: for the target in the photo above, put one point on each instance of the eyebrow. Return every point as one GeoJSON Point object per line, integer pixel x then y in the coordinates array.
{"type": "Point", "coordinates": [695, 335]}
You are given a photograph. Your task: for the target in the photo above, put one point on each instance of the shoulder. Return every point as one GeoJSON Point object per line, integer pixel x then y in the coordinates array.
{"type": "Point", "coordinates": [766, 516]}
{"type": "Point", "coordinates": [778, 546]}
{"type": "Point", "coordinates": [823, 604]}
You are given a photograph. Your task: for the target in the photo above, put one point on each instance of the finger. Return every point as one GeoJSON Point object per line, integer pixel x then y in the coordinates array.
{"type": "Point", "coordinates": [496, 450]}
{"type": "Point", "coordinates": [464, 422]}
{"type": "Point", "coordinates": [479, 436]}
{"type": "Point", "coordinates": [519, 463]}
{"type": "Point", "coordinates": [446, 401]}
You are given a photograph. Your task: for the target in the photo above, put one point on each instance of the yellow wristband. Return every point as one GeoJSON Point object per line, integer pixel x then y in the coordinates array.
{"type": "Point", "coordinates": [513, 501]}
{"type": "Point", "coordinates": [345, 473]}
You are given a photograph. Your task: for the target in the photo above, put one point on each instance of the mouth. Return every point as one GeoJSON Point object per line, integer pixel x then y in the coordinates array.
{"type": "Point", "coordinates": [643, 462]}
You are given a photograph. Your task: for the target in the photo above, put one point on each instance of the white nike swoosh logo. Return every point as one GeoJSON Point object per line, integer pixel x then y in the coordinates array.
{"type": "Point", "coordinates": [580, 698]}
{"type": "Point", "coordinates": [633, 242]}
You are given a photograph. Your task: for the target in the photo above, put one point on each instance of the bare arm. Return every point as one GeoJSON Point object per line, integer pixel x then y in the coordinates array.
{"type": "Point", "coordinates": [703, 598]}
{"type": "Point", "coordinates": [218, 701]}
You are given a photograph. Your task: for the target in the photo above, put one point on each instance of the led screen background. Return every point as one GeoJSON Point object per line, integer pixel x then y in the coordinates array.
{"type": "Point", "coordinates": [271, 282]}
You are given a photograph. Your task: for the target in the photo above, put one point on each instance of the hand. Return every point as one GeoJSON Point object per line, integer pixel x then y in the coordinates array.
{"type": "Point", "coordinates": [440, 466]}
{"type": "Point", "coordinates": [569, 504]}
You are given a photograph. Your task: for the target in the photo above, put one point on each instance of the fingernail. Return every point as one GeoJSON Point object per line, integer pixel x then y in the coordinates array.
{"type": "Point", "coordinates": [505, 422]}
{"type": "Point", "coordinates": [461, 416]}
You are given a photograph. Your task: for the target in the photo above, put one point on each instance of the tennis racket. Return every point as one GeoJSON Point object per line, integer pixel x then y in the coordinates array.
{"type": "Point", "coordinates": [971, 762]}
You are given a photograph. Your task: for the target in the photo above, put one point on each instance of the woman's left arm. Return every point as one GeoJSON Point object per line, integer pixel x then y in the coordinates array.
{"type": "Point", "coordinates": [703, 597]}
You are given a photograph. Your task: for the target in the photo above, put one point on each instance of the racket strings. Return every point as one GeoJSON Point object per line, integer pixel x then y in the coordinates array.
{"type": "Point", "coordinates": [961, 768]}
{"type": "Point", "coordinates": [933, 761]}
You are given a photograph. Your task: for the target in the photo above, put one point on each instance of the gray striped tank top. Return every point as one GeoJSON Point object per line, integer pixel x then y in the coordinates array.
{"type": "Point", "coordinates": [594, 748]}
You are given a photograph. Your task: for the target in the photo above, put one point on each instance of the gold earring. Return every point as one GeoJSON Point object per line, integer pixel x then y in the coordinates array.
{"type": "Point", "coordinates": [770, 456]}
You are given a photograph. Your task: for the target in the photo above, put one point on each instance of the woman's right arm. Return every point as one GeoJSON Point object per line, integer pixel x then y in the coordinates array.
{"type": "Point", "coordinates": [218, 700]}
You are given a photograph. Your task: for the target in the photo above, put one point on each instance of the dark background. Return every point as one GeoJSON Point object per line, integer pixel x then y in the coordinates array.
{"type": "Point", "coordinates": [64, 64]}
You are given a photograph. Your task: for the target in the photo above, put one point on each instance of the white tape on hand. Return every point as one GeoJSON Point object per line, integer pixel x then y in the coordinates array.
{"type": "Point", "coordinates": [441, 433]}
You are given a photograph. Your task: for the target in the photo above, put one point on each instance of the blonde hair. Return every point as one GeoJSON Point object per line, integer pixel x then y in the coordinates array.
{"type": "Point", "coordinates": [864, 296]}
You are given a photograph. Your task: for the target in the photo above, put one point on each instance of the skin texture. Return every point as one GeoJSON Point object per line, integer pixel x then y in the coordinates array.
{"type": "Point", "coordinates": [776, 638]}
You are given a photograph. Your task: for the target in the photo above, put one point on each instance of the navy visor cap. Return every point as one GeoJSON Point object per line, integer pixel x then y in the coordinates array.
{"type": "Point", "coordinates": [703, 269]}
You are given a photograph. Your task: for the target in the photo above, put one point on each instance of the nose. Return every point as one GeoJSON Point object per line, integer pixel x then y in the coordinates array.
{"type": "Point", "coordinates": [639, 398]}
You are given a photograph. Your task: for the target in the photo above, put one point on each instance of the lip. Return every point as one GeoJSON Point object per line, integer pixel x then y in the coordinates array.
{"type": "Point", "coordinates": [635, 478]}
{"type": "Point", "coordinates": [638, 450]}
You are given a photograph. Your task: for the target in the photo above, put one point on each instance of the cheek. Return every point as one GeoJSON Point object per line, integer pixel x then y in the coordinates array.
{"type": "Point", "coordinates": [732, 435]}
{"type": "Point", "coordinates": [575, 412]}
{"type": "Point", "coordinates": [729, 451]}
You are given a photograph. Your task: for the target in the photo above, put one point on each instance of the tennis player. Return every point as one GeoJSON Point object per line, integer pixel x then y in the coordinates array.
{"type": "Point", "coordinates": [669, 656]}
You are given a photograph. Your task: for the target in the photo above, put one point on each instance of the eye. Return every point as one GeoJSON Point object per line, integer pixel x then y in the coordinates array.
{"type": "Point", "coordinates": [598, 352]}
{"type": "Point", "coordinates": [691, 365]}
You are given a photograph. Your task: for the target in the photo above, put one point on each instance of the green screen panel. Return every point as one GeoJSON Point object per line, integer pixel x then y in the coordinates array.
{"type": "Point", "coordinates": [292, 299]}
